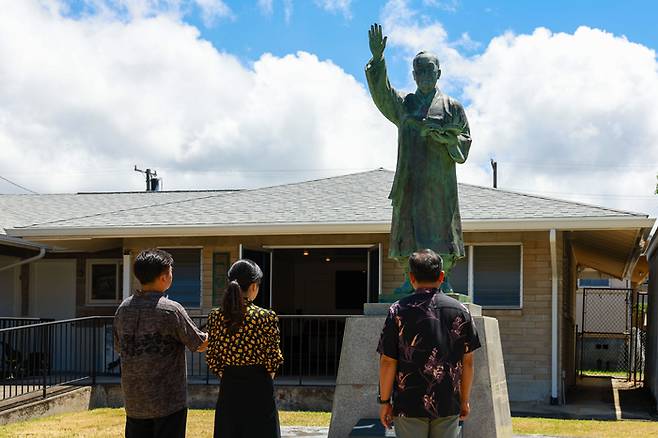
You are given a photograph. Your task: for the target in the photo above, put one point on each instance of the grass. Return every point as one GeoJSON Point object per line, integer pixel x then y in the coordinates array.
{"type": "Point", "coordinates": [585, 428]}
{"type": "Point", "coordinates": [601, 373]}
{"type": "Point", "coordinates": [110, 423]}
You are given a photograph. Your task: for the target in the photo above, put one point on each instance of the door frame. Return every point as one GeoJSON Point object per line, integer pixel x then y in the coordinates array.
{"type": "Point", "coordinates": [262, 249]}
{"type": "Point", "coordinates": [367, 246]}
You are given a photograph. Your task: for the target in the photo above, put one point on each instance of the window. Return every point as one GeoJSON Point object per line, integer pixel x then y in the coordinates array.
{"type": "Point", "coordinates": [497, 276]}
{"type": "Point", "coordinates": [494, 274]}
{"type": "Point", "coordinates": [186, 287]}
{"type": "Point", "coordinates": [104, 281]}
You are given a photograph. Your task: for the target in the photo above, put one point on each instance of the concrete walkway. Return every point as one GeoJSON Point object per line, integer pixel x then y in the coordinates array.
{"type": "Point", "coordinates": [595, 398]}
{"type": "Point", "coordinates": [322, 432]}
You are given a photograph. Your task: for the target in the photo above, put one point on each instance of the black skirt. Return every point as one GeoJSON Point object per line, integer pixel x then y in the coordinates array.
{"type": "Point", "coordinates": [245, 406]}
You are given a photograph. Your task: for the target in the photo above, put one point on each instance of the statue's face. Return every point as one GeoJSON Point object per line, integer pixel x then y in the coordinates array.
{"type": "Point", "coordinates": [426, 74]}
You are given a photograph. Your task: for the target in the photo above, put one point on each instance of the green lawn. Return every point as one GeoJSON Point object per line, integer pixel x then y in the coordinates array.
{"type": "Point", "coordinates": [110, 422]}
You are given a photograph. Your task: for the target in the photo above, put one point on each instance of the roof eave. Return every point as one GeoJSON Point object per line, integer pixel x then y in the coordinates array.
{"type": "Point", "coordinates": [480, 225]}
{"type": "Point", "coordinates": [17, 242]}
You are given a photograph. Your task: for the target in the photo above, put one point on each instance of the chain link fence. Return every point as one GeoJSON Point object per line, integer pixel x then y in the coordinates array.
{"type": "Point", "coordinates": [611, 333]}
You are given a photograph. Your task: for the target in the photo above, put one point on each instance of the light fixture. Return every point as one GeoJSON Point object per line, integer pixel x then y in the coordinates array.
{"type": "Point", "coordinates": [305, 252]}
{"type": "Point", "coordinates": [328, 259]}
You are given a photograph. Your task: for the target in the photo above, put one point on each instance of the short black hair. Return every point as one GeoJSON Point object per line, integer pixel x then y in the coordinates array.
{"type": "Point", "coordinates": [426, 265]}
{"type": "Point", "coordinates": [151, 263]}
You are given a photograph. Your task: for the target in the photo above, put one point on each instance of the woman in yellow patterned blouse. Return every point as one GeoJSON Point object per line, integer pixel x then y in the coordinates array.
{"type": "Point", "coordinates": [244, 352]}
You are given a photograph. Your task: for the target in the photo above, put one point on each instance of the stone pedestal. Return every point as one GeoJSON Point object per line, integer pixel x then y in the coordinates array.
{"type": "Point", "coordinates": [490, 414]}
{"type": "Point", "coordinates": [357, 383]}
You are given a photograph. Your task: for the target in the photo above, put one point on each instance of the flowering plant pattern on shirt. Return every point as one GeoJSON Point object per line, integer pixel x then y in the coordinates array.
{"type": "Point", "coordinates": [428, 333]}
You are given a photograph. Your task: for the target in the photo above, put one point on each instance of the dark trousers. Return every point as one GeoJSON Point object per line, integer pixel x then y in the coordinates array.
{"type": "Point", "coordinates": [245, 406]}
{"type": "Point", "coordinates": [171, 426]}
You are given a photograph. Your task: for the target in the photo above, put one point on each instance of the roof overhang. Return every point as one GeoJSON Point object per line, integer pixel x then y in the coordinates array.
{"type": "Point", "coordinates": [16, 242]}
{"type": "Point", "coordinates": [614, 252]}
{"type": "Point", "coordinates": [20, 248]}
{"type": "Point", "coordinates": [241, 229]}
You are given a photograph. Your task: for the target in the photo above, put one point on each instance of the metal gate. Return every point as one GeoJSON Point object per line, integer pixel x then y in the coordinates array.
{"type": "Point", "coordinates": [611, 333]}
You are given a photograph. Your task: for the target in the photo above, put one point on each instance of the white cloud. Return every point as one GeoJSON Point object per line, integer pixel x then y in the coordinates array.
{"type": "Point", "coordinates": [569, 115]}
{"type": "Point", "coordinates": [84, 100]}
{"type": "Point", "coordinates": [287, 10]}
{"type": "Point", "coordinates": [211, 10]}
{"type": "Point", "coordinates": [342, 6]}
{"type": "Point", "coordinates": [266, 6]}
{"type": "Point", "coordinates": [127, 10]}
{"type": "Point", "coordinates": [446, 5]}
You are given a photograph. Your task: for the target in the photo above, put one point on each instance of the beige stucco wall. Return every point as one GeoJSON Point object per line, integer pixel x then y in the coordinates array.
{"type": "Point", "coordinates": [525, 333]}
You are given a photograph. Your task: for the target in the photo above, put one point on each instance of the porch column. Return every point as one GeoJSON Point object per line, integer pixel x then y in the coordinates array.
{"type": "Point", "coordinates": [126, 275]}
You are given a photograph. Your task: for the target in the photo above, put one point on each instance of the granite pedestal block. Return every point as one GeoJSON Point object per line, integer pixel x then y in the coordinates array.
{"type": "Point", "coordinates": [357, 384]}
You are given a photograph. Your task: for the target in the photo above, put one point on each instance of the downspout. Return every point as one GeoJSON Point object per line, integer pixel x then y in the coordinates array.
{"type": "Point", "coordinates": [42, 253]}
{"type": "Point", "coordinates": [554, 317]}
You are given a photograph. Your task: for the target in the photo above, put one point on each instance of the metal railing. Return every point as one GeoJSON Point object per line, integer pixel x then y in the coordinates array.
{"type": "Point", "coordinates": [35, 357]}
{"type": "Point", "coordinates": [38, 356]}
{"type": "Point", "coordinates": [9, 322]}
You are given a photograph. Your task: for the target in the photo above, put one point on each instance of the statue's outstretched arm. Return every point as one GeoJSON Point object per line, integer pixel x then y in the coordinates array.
{"type": "Point", "coordinates": [389, 102]}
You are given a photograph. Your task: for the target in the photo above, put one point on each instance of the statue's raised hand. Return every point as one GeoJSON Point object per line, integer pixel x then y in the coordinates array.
{"type": "Point", "coordinates": [377, 41]}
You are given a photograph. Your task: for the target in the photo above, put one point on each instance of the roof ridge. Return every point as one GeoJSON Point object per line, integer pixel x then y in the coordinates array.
{"type": "Point", "coordinates": [548, 198]}
{"type": "Point", "coordinates": [379, 169]}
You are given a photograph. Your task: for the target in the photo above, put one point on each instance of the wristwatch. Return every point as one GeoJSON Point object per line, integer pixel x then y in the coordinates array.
{"type": "Point", "coordinates": [383, 402]}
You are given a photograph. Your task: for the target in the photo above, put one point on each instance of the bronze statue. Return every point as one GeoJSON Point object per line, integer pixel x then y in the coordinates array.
{"type": "Point", "coordinates": [433, 135]}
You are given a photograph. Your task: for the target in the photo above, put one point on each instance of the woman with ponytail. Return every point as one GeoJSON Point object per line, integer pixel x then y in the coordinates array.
{"type": "Point", "coordinates": [244, 352]}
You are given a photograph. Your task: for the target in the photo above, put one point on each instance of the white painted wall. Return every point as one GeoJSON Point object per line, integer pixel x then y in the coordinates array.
{"type": "Point", "coordinates": [52, 289]}
{"type": "Point", "coordinates": [9, 288]}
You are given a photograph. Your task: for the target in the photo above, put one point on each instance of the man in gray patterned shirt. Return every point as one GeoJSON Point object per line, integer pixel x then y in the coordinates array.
{"type": "Point", "coordinates": [150, 335]}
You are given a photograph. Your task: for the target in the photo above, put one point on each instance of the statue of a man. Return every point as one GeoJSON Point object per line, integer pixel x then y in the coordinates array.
{"type": "Point", "coordinates": [433, 135]}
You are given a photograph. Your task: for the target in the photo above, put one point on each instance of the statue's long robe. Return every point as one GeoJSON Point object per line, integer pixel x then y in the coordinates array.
{"type": "Point", "coordinates": [424, 193]}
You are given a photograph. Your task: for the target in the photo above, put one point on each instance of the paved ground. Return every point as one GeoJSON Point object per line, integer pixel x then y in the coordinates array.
{"type": "Point", "coordinates": [595, 398]}
{"type": "Point", "coordinates": [321, 432]}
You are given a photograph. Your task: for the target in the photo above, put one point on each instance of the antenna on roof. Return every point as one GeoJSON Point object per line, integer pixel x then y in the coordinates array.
{"type": "Point", "coordinates": [494, 166]}
{"type": "Point", "coordinates": [152, 183]}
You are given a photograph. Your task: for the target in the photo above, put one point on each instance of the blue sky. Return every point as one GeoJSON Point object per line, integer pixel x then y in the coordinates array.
{"type": "Point", "coordinates": [224, 94]}
{"type": "Point", "coordinates": [341, 35]}
{"type": "Point", "coordinates": [344, 39]}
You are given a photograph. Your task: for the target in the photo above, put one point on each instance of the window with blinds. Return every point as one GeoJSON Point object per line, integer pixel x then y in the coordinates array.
{"type": "Point", "coordinates": [497, 276]}
{"type": "Point", "coordinates": [186, 286]}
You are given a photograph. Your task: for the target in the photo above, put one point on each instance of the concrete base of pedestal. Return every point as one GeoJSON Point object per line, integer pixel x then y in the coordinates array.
{"type": "Point", "coordinates": [357, 384]}
{"type": "Point", "coordinates": [490, 413]}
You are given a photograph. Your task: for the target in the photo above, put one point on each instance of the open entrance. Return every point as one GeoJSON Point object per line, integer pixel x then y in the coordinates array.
{"type": "Point", "coordinates": [320, 281]}
{"type": "Point", "coordinates": [313, 289]}
{"type": "Point", "coordinates": [317, 280]}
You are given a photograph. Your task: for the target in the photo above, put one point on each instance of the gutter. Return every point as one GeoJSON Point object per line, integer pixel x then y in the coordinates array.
{"type": "Point", "coordinates": [20, 243]}
{"type": "Point", "coordinates": [288, 228]}
{"type": "Point", "coordinates": [554, 317]}
{"type": "Point", "coordinates": [42, 253]}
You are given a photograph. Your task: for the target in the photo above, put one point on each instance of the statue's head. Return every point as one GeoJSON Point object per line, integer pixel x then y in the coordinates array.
{"type": "Point", "coordinates": [426, 71]}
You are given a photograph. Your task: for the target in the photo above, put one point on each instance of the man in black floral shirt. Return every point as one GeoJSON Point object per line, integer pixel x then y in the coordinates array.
{"type": "Point", "coordinates": [426, 350]}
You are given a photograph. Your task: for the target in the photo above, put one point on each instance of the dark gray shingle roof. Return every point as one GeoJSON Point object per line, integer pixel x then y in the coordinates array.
{"type": "Point", "coordinates": [355, 198]}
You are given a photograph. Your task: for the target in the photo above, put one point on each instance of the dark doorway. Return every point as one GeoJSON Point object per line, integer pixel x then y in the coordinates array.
{"type": "Point", "coordinates": [319, 281]}
{"type": "Point", "coordinates": [262, 259]}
